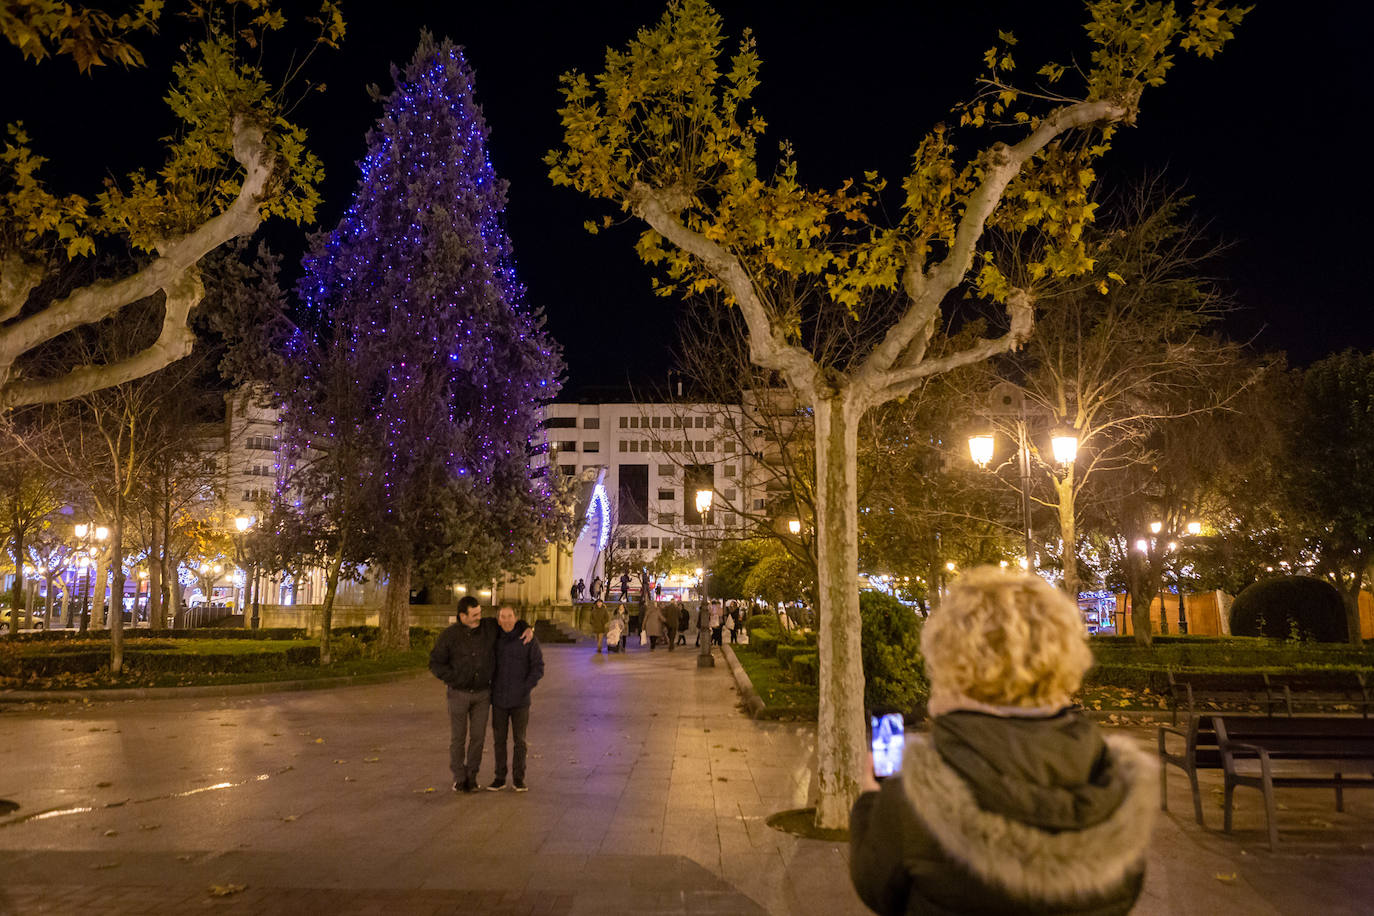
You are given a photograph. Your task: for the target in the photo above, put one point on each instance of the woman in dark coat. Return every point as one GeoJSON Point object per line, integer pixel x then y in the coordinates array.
{"type": "Point", "coordinates": [1014, 803]}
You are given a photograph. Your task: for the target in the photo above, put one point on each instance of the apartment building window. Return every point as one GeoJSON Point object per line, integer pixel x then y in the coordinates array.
{"type": "Point", "coordinates": [730, 496]}
{"type": "Point", "coordinates": [644, 445]}
{"type": "Point", "coordinates": [621, 543]}
{"type": "Point", "coordinates": [758, 505]}
{"type": "Point", "coordinates": [653, 422]}
{"type": "Point", "coordinates": [653, 543]}
{"type": "Point", "coordinates": [262, 443]}
{"type": "Point", "coordinates": [624, 423]}
{"type": "Point", "coordinates": [667, 494]}
{"type": "Point", "coordinates": [666, 518]}
{"type": "Point", "coordinates": [700, 423]}
{"type": "Point", "coordinates": [710, 422]}
{"type": "Point", "coordinates": [252, 496]}
{"type": "Point", "coordinates": [567, 445]}
{"type": "Point", "coordinates": [729, 446]}
{"type": "Point", "coordinates": [568, 469]}
{"type": "Point", "coordinates": [559, 422]}
{"type": "Point", "coordinates": [634, 445]}
{"type": "Point", "coordinates": [731, 471]}
{"type": "Point", "coordinates": [591, 446]}
{"type": "Point", "coordinates": [677, 422]}
{"type": "Point", "coordinates": [665, 470]}
{"type": "Point", "coordinates": [591, 422]}
{"type": "Point", "coordinates": [260, 470]}
{"type": "Point", "coordinates": [624, 445]}
{"type": "Point", "coordinates": [728, 422]}
{"type": "Point", "coordinates": [710, 445]}
{"type": "Point", "coordinates": [634, 422]}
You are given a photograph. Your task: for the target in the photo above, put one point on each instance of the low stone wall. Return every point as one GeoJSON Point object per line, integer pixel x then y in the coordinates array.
{"type": "Point", "coordinates": [433, 616]}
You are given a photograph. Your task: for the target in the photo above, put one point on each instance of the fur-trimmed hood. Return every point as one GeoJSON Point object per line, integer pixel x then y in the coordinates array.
{"type": "Point", "coordinates": [1026, 861]}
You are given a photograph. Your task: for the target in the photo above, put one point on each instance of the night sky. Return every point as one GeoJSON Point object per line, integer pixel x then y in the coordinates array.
{"type": "Point", "coordinates": [1264, 137]}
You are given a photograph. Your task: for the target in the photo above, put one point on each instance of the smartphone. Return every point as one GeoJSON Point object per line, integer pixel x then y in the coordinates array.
{"type": "Point", "coordinates": [888, 735]}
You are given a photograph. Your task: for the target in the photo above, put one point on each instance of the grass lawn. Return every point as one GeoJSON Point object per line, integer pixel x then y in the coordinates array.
{"type": "Point", "coordinates": [783, 697]}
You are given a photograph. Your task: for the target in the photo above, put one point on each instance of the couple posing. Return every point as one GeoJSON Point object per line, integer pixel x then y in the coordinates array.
{"type": "Point", "coordinates": [488, 665]}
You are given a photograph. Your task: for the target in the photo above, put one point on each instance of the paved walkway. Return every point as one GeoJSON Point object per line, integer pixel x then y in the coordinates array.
{"type": "Point", "coordinates": [648, 795]}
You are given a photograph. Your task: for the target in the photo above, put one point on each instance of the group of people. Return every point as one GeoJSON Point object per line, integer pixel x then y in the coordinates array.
{"type": "Point", "coordinates": [489, 667]}
{"type": "Point", "coordinates": [665, 623]}
{"type": "Point", "coordinates": [580, 592]}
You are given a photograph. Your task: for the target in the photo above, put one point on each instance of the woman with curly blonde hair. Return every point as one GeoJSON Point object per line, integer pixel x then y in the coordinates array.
{"type": "Point", "coordinates": [1014, 803]}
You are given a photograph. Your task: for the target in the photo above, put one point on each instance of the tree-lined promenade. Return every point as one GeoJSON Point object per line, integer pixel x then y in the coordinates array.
{"type": "Point", "coordinates": [996, 289]}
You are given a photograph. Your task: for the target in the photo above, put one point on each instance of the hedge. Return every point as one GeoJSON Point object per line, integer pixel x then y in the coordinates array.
{"type": "Point", "coordinates": [785, 654]}
{"type": "Point", "coordinates": [189, 633]}
{"type": "Point", "coordinates": [1234, 653]}
{"type": "Point", "coordinates": [1290, 607]}
{"type": "Point", "coordinates": [764, 643]}
{"type": "Point", "coordinates": [762, 622]}
{"type": "Point", "coordinates": [805, 668]}
{"type": "Point", "coordinates": [154, 661]}
{"type": "Point", "coordinates": [1229, 680]}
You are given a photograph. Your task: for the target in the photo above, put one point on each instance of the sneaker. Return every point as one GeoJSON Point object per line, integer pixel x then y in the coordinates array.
{"type": "Point", "coordinates": [497, 784]}
{"type": "Point", "coordinates": [457, 787]}
{"type": "Point", "coordinates": [469, 785]}
{"type": "Point", "coordinates": [520, 786]}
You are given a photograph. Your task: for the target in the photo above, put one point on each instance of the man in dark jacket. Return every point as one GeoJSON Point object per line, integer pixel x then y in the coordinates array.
{"type": "Point", "coordinates": [464, 658]}
{"type": "Point", "coordinates": [519, 666]}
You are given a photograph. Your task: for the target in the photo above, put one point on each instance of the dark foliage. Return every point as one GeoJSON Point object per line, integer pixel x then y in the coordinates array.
{"type": "Point", "coordinates": [1293, 607]}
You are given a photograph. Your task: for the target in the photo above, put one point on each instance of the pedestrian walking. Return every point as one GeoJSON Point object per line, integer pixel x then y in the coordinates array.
{"type": "Point", "coordinates": [653, 622]}
{"type": "Point", "coordinates": [671, 625]}
{"type": "Point", "coordinates": [715, 623]}
{"type": "Point", "coordinates": [1014, 802]}
{"type": "Point", "coordinates": [616, 630]}
{"type": "Point", "coordinates": [684, 623]}
{"type": "Point", "coordinates": [731, 621]}
{"type": "Point", "coordinates": [703, 608]}
{"type": "Point", "coordinates": [519, 666]}
{"type": "Point", "coordinates": [624, 586]}
{"type": "Point", "coordinates": [464, 658]}
{"type": "Point", "coordinates": [596, 588]}
{"type": "Point", "coordinates": [600, 620]}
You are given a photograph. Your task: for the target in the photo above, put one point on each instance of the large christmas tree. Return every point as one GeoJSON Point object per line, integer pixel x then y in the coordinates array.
{"type": "Point", "coordinates": [422, 330]}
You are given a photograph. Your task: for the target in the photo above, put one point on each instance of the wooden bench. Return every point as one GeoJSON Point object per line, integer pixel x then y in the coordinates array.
{"type": "Point", "coordinates": [1296, 752]}
{"type": "Point", "coordinates": [1272, 693]}
{"type": "Point", "coordinates": [1252, 690]}
{"type": "Point", "coordinates": [1199, 751]}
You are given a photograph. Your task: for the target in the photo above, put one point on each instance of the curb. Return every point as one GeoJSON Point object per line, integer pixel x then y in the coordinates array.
{"type": "Point", "coordinates": [753, 703]}
{"type": "Point", "coordinates": [207, 690]}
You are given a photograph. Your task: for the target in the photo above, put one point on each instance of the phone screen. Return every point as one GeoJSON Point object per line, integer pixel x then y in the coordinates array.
{"type": "Point", "coordinates": [889, 738]}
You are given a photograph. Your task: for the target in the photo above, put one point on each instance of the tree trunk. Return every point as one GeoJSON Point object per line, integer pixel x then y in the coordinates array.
{"type": "Point", "coordinates": [1141, 598]}
{"type": "Point", "coordinates": [394, 619]}
{"type": "Point", "coordinates": [48, 582]}
{"type": "Point", "coordinates": [1351, 599]}
{"type": "Point", "coordinates": [841, 737]}
{"type": "Point", "coordinates": [116, 612]}
{"type": "Point", "coordinates": [157, 620]}
{"type": "Point", "coordinates": [98, 591]}
{"type": "Point", "coordinates": [17, 592]}
{"type": "Point", "coordinates": [331, 588]}
{"type": "Point", "coordinates": [1068, 532]}
{"type": "Point", "coordinates": [174, 596]}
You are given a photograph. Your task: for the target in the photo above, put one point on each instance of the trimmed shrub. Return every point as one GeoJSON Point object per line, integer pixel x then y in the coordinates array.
{"type": "Point", "coordinates": [785, 654]}
{"type": "Point", "coordinates": [805, 668]}
{"type": "Point", "coordinates": [767, 622]}
{"type": "Point", "coordinates": [894, 672]}
{"type": "Point", "coordinates": [1292, 607]}
{"type": "Point", "coordinates": [764, 643]}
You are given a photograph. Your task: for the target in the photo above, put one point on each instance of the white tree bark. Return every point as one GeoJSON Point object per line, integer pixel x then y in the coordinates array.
{"type": "Point", "coordinates": [840, 724]}
{"type": "Point", "coordinates": [173, 272]}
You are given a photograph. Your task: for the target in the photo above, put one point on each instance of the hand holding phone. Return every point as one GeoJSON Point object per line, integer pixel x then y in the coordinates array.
{"type": "Point", "coordinates": [888, 735]}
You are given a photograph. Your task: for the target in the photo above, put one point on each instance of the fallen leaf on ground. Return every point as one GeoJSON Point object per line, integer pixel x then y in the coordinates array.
{"type": "Point", "coordinates": [111, 833]}
{"type": "Point", "coordinates": [224, 890]}
{"type": "Point", "coordinates": [341, 761]}
{"type": "Point", "coordinates": [103, 785]}
{"type": "Point", "coordinates": [371, 759]}
{"type": "Point", "coordinates": [349, 779]}
{"type": "Point", "coordinates": [1226, 879]}
{"type": "Point", "coordinates": [319, 741]}
{"type": "Point", "coordinates": [427, 789]}
{"type": "Point", "coordinates": [290, 817]}
{"type": "Point", "coordinates": [100, 865]}
{"type": "Point", "coordinates": [148, 826]}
